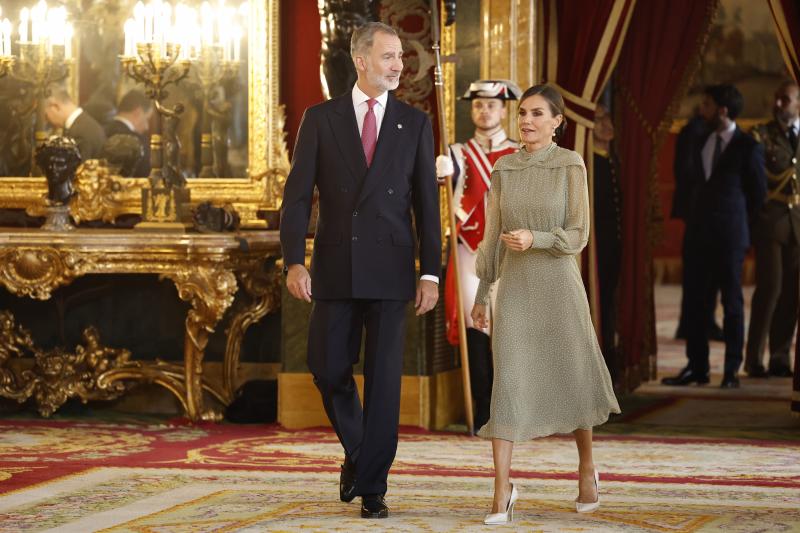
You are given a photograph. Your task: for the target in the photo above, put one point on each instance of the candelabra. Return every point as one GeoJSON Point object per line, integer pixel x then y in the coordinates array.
{"type": "Point", "coordinates": [39, 65]}
{"type": "Point", "coordinates": [212, 69]}
{"type": "Point", "coordinates": [157, 66]}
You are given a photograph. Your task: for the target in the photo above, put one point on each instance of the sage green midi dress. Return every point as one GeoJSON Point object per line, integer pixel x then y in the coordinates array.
{"type": "Point", "coordinates": [549, 373]}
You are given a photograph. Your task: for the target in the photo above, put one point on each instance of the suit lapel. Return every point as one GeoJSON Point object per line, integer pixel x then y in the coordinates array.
{"type": "Point", "coordinates": [345, 130]}
{"type": "Point", "coordinates": [388, 139]}
{"type": "Point", "coordinates": [730, 148]}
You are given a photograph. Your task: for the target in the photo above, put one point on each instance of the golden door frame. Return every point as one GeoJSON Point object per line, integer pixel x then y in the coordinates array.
{"type": "Point", "coordinates": [268, 160]}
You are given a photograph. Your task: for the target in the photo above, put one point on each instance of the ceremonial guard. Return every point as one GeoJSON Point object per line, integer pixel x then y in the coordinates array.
{"type": "Point", "coordinates": [776, 237]}
{"type": "Point", "coordinates": [473, 161]}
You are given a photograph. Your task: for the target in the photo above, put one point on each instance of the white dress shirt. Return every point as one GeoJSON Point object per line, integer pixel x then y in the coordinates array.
{"type": "Point", "coordinates": [361, 107]}
{"type": "Point", "coordinates": [795, 126]}
{"type": "Point", "coordinates": [708, 148]}
{"type": "Point", "coordinates": [72, 118]}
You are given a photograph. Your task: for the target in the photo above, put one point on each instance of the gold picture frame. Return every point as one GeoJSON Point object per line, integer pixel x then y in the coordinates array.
{"type": "Point", "coordinates": [268, 160]}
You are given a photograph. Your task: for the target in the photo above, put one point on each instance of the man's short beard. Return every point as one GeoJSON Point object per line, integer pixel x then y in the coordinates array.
{"type": "Point", "coordinates": [784, 116]}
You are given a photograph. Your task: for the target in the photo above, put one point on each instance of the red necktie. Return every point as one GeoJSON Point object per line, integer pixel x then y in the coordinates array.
{"type": "Point", "coordinates": [369, 132]}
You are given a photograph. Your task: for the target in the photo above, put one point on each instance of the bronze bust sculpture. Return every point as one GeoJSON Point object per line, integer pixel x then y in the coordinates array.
{"type": "Point", "coordinates": [59, 158]}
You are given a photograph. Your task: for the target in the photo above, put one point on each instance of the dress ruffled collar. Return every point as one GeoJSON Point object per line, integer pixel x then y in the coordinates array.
{"type": "Point", "coordinates": [551, 156]}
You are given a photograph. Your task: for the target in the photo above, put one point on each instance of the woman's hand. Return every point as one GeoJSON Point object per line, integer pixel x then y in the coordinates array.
{"type": "Point", "coordinates": [517, 240]}
{"type": "Point", "coordinates": [479, 317]}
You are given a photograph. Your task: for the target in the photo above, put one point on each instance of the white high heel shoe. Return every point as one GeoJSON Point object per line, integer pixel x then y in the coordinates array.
{"type": "Point", "coordinates": [503, 518]}
{"type": "Point", "coordinates": [589, 507]}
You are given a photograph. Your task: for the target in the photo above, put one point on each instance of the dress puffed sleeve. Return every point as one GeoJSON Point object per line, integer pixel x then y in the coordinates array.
{"type": "Point", "coordinates": [573, 236]}
{"type": "Point", "coordinates": [487, 263]}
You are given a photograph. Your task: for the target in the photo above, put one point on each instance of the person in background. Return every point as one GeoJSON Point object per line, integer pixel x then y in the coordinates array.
{"type": "Point", "coordinates": [471, 165]}
{"type": "Point", "coordinates": [133, 118]}
{"type": "Point", "coordinates": [728, 174]}
{"type": "Point", "coordinates": [608, 232]}
{"type": "Point", "coordinates": [776, 238]}
{"type": "Point", "coordinates": [62, 112]}
{"type": "Point", "coordinates": [691, 135]}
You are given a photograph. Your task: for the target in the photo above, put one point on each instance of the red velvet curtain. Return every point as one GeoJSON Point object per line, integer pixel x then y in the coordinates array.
{"type": "Point", "coordinates": [581, 40]}
{"type": "Point", "coordinates": [659, 58]}
{"type": "Point", "coordinates": [786, 14]}
{"type": "Point", "coordinates": [300, 59]}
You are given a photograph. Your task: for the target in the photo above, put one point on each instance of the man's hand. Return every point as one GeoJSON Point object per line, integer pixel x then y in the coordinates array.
{"type": "Point", "coordinates": [427, 296]}
{"type": "Point", "coordinates": [479, 317]}
{"type": "Point", "coordinates": [517, 240]}
{"type": "Point", "coordinates": [298, 281]}
{"type": "Point", "coordinates": [444, 167]}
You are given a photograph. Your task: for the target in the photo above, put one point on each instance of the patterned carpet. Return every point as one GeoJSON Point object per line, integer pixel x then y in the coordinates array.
{"type": "Point", "coordinates": [687, 460]}
{"type": "Point", "coordinates": [71, 476]}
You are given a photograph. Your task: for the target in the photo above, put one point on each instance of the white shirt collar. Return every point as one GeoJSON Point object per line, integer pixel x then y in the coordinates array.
{"type": "Point", "coordinates": [490, 142]}
{"type": "Point", "coordinates": [727, 133]}
{"type": "Point", "coordinates": [359, 97]}
{"type": "Point", "coordinates": [796, 125]}
{"type": "Point", "coordinates": [72, 118]}
{"type": "Point", "coordinates": [127, 122]}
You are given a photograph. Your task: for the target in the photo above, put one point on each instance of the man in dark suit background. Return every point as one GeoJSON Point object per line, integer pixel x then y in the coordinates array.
{"type": "Point", "coordinates": [133, 118]}
{"type": "Point", "coordinates": [62, 112]}
{"type": "Point", "coordinates": [691, 135]}
{"type": "Point", "coordinates": [728, 173]}
{"type": "Point", "coordinates": [372, 159]}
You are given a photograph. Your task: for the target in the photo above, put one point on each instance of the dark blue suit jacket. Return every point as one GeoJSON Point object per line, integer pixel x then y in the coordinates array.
{"type": "Point", "coordinates": [724, 205]}
{"type": "Point", "coordinates": [365, 240]}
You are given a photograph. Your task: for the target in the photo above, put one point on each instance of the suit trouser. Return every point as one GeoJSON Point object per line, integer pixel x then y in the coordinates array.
{"type": "Point", "coordinates": [368, 435]}
{"type": "Point", "coordinates": [775, 301]}
{"type": "Point", "coordinates": [711, 261]}
{"type": "Point", "coordinates": [711, 295]}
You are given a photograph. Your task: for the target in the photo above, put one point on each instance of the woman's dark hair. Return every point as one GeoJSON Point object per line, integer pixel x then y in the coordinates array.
{"type": "Point", "coordinates": [556, 102]}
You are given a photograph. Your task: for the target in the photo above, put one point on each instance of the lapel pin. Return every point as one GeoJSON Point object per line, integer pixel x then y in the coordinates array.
{"type": "Point", "coordinates": [399, 126]}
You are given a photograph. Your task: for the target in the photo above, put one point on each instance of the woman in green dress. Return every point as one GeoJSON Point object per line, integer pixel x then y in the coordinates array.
{"type": "Point", "coordinates": [549, 373]}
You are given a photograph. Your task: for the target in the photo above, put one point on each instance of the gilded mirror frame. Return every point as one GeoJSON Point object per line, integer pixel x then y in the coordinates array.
{"type": "Point", "coordinates": [268, 160]}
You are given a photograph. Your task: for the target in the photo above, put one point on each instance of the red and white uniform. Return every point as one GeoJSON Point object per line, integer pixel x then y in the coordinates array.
{"type": "Point", "coordinates": [473, 161]}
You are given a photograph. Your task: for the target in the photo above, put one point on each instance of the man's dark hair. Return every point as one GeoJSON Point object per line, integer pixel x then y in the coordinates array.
{"type": "Point", "coordinates": [726, 95]}
{"type": "Point", "coordinates": [133, 100]}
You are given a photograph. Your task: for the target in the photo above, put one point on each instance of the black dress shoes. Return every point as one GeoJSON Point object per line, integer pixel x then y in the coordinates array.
{"type": "Point", "coordinates": [686, 377]}
{"type": "Point", "coordinates": [757, 372]}
{"type": "Point", "coordinates": [729, 381]}
{"type": "Point", "coordinates": [347, 481]}
{"type": "Point", "coordinates": [373, 506]}
{"type": "Point", "coordinates": [780, 372]}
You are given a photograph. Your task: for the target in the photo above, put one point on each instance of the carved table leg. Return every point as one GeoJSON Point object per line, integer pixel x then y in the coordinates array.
{"type": "Point", "coordinates": [210, 291]}
{"type": "Point", "coordinates": [263, 285]}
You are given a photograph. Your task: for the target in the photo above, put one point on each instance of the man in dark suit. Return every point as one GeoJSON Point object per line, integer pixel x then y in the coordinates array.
{"type": "Point", "coordinates": [133, 119]}
{"type": "Point", "coordinates": [728, 172]}
{"type": "Point", "coordinates": [371, 158]}
{"type": "Point", "coordinates": [691, 135]}
{"type": "Point", "coordinates": [776, 238]}
{"type": "Point", "coordinates": [61, 112]}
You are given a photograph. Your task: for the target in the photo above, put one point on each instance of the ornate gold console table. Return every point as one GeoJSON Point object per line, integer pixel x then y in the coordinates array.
{"type": "Point", "coordinates": [206, 269]}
